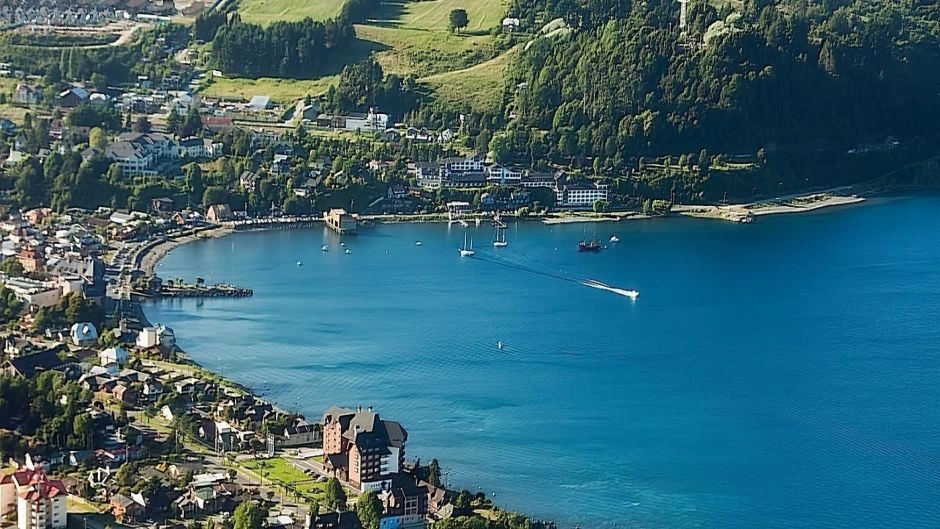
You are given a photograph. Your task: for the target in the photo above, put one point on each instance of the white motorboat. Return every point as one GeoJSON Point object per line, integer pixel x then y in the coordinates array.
{"type": "Point", "coordinates": [614, 238]}
{"type": "Point", "coordinates": [324, 248]}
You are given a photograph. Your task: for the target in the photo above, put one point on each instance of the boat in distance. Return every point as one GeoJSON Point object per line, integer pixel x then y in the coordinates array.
{"type": "Point", "coordinates": [589, 246]}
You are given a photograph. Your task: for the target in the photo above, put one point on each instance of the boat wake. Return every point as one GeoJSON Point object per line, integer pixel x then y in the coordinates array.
{"type": "Point", "coordinates": [521, 266]}
{"type": "Point", "coordinates": [632, 294]}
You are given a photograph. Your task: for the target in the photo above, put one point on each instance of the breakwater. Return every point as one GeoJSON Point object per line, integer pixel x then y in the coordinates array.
{"type": "Point", "coordinates": [221, 290]}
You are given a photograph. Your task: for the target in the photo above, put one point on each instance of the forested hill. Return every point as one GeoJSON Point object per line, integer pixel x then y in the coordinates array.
{"type": "Point", "coordinates": [625, 81]}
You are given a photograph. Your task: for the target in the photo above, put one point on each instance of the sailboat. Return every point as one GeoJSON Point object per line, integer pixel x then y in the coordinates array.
{"type": "Point", "coordinates": [467, 249]}
{"type": "Point", "coordinates": [500, 240]}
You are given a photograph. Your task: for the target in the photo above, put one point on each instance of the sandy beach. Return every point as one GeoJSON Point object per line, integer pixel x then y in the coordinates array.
{"type": "Point", "coordinates": [151, 256]}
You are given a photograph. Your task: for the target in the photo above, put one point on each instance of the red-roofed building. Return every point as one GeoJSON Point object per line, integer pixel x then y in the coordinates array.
{"type": "Point", "coordinates": [39, 503]}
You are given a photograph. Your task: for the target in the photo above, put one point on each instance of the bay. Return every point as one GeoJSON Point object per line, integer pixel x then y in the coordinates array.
{"type": "Point", "coordinates": [782, 374]}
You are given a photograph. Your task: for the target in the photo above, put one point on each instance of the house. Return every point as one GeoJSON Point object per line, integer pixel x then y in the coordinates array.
{"type": "Point", "coordinates": [115, 355]}
{"type": "Point", "coordinates": [7, 127]}
{"type": "Point", "coordinates": [14, 346]}
{"type": "Point", "coordinates": [195, 502]}
{"type": "Point", "coordinates": [219, 213]}
{"type": "Point", "coordinates": [161, 205]}
{"type": "Point", "coordinates": [147, 338]}
{"type": "Point", "coordinates": [124, 395]}
{"type": "Point", "coordinates": [391, 135]}
{"type": "Point", "coordinates": [300, 434]}
{"type": "Point", "coordinates": [333, 520]}
{"type": "Point", "coordinates": [39, 503]}
{"type": "Point", "coordinates": [371, 121]}
{"type": "Point", "coordinates": [249, 181]}
{"type": "Point", "coordinates": [126, 510]}
{"type": "Point", "coordinates": [31, 365]}
{"type": "Point", "coordinates": [511, 24]}
{"type": "Point", "coordinates": [259, 103]}
{"type": "Point", "coordinates": [219, 434]}
{"type": "Point", "coordinates": [573, 194]}
{"type": "Point", "coordinates": [404, 505]}
{"type": "Point", "coordinates": [361, 448]}
{"type": "Point", "coordinates": [216, 124]}
{"type": "Point", "coordinates": [152, 391]}
{"type": "Point", "coordinates": [73, 97]}
{"type": "Point", "coordinates": [31, 258]}
{"type": "Point", "coordinates": [84, 334]}
{"type": "Point", "coordinates": [26, 94]}
{"type": "Point", "coordinates": [439, 505]}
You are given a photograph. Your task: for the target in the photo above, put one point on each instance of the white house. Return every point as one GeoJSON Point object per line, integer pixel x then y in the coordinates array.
{"type": "Point", "coordinates": [371, 121]}
{"type": "Point", "coordinates": [113, 355]}
{"type": "Point", "coordinates": [84, 334]}
{"type": "Point", "coordinates": [511, 24]}
{"type": "Point", "coordinates": [147, 338]}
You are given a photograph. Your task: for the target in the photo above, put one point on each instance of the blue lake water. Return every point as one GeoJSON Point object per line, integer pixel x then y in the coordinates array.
{"type": "Point", "coordinates": [784, 374]}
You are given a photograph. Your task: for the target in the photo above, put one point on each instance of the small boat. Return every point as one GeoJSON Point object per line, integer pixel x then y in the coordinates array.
{"type": "Point", "coordinates": [589, 246]}
{"type": "Point", "coordinates": [614, 238]}
{"type": "Point", "coordinates": [500, 240]}
{"type": "Point", "coordinates": [467, 249]}
{"type": "Point", "coordinates": [348, 251]}
{"type": "Point", "coordinates": [499, 344]}
{"type": "Point", "coordinates": [324, 248]}
{"type": "Point", "coordinates": [343, 244]}
{"type": "Point", "coordinates": [417, 243]}
{"type": "Point", "coordinates": [300, 263]}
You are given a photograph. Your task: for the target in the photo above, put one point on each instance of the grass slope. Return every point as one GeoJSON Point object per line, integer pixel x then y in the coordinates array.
{"type": "Point", "coordinates": [266, 11]}
{"type": "Point", "coordinates": [480, 87]}
{"type": "Point", "coordinates": [406, 37]}
{"type": "Point", "coordinates": [282, 91]}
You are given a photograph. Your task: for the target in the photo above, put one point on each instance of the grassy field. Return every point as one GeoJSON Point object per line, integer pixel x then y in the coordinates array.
{"type": "Point", "coordinates": [479, 86]}
{"type": "Point", "coordinates": [435, 15]}
{"type": "Point", "coordinates": [424, 52]}
{"type": "Point", "coordinates": [266, 11]}
{"type": "Point", "coordinates": [406, 37]}
{"type": "Point", "coordinates": [280, 471]}
{"type": "Point", "coordinates": [282, 91]}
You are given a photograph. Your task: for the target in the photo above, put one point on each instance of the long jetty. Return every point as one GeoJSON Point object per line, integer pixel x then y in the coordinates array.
{"type": "Point", "coordinates": [276, 223]}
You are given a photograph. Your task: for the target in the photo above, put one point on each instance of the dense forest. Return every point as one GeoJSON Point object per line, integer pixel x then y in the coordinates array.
{"type": "Point", "coordinates": [626, 82]}
{"type": "Point", "coordinates": [295, 50]}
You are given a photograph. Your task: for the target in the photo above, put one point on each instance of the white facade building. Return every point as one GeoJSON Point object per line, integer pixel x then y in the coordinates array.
{"type": "Point", "coordinates": [580, 195]}
{"type": "Point", "coordinates": [39, 503]}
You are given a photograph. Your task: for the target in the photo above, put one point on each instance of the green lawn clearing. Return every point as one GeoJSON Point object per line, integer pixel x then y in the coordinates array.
{"type": "Point", "coordinates": [266, 11]}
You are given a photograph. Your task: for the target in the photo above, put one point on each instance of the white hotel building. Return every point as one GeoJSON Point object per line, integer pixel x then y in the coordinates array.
{"type": "Point", "coordinates": [580, 195]}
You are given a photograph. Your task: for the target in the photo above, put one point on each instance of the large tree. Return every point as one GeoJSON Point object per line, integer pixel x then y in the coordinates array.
{"type": "Point", "coordinates": [248, 515]}
{"type": "Point", "coordinates": [458, 19]}
{"type": "Point", "coordinates": [369, 510]}
{"type": "Point", "coordinates": [335, 495]}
